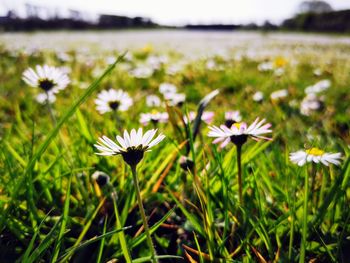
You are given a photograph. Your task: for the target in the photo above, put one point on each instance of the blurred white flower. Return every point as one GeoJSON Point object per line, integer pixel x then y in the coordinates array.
{"type": "Point", "coordinates": [113, 100]}
{"type": "Point", "coordinates": [155, 62]}
{"type": "Point", "coordinates": [154, 117]}
{"type": "Point", "coordinates": [310, 103]}
{"type": "Point", "coordinates": [258, 96]}
{"type": "Point", "coordinates": [167, 88]}
{"type": "Point", "coordinates": [317, 72]}
{"type": "Point", "coordinates": [232, 117]}
{"type": "Point", "coordinates": [279, 72]}
{"type": "Point", "coordinates": [211, 64]}
{"type": "Point", "coordinates": [265, 66]}
{"type": "Point", "coordinates": [175, 68]}
{"type": "Point", "coordinates": [175, 99]}
{"type": "Point", "coordinates": [279, 94]}
{"type": "Point", "coordinates": [153, 101]}
{"type": "Point", "coordinates": [314, 155]}
{"type": "Point", "coordinates": [110, 60]}
{"type": "Point", "coordinates": [142, 72]}
{"type": "Point", "coordinates": [63, 56]}
{"type": "Point", "coordinates": [47, 78]}
{"type": "Point", "coordinates": [319, 86]}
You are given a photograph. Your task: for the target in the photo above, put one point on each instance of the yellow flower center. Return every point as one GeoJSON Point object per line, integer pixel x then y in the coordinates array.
{"type": "Point", "coordinates": [315, 152]}
{"type": "Point", "coordinates": [237, 125]}
{"type": "Point", "coordinates": [154, 112]}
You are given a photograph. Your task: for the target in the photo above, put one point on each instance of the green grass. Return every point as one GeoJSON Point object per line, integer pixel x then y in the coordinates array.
{"type": "Point", "coordinates": [52, 211]}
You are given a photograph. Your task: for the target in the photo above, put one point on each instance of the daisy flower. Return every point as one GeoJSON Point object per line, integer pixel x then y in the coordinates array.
{"type": "Point", "coordinates": [46, 77]}
{"type": "Point", "coordinates": [142, 72]}
{"type": "Point", "coordinates": [175, 68]}
{"type": "Point", "coordinates": [131, 147]}
{"type": "Point", "coordinates": [258, 96]}
{"type": "Point", "coordinates": [279, 94]}
{"type": "Point", "coordinates": [310, 103]}
{"type": "Point", "coordinates": [154, 117]}
{"type": "Point", "coordinates": [232, 117]}
{"type": "Point", "coordinates": [175, 99]}
{"type": "Point", "coordinates": [320, 86]}
{"type": "Point", "coordinates": [167, 88]}
{"type": "Point", "coordinates": [153, 101]}
{"type": "Point", "coordinates": [265, 66]}
{"type": "Point", "coordinates": [314, 155]}
{"type": "Point", "coordinates": [113, 100]}
{"type": "Point", "coordinates": [239, 132]}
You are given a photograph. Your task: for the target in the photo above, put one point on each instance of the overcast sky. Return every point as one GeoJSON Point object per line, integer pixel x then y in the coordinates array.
{"type": "Point", "coordinates": [184, 11]}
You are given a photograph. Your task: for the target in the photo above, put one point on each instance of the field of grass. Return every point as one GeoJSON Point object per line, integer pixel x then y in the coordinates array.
{"type": "Point", "coordinates": [52, 208]}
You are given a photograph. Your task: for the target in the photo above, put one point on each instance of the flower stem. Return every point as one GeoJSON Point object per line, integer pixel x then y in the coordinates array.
{"type": "Point", "coordinates": [54, 123]}
{"type": "Point", "coordinates": [239, 165]}
{"type": "Point", "coordinates": [304, 229]}
{"type": "Point", "coordinates": [52, 116]}
{"type": "Point", "coordinates": [143, 215]}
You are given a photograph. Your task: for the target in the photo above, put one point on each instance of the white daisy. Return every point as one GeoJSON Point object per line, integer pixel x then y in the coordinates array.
{"type": "Point", "coordinates": [239, 132]}
{"type": "Point", "coordinates": [314, 155]}
{"type": "Point", "coordinates": [232, 117]}
{"type": "Point", "coordinates": [279, 94]}
{"type": "Point", "coordinates": [156, 62]}
{"type": "Point", "coordinates": [310, 103]}
{"type": "Point", "coordinates": [131, 147]}
{"type": "Point", "coordinates": [142, 72]}
{"type": "Point", "coordinates": [279, 72]}
{"type": "Point", "coordinates": [175, 68]}
{"type": "Point", "coordinates": [154, 117]}
{"type": "Point", "coordinates": [317, 72]}
{"type": "Point", "coordinates": [211, 64]}
{"type": "Point", "coordinates": [175, 99]}
{"type": "Point", "coordinates": [45, 97]}
{"type": "Point", "coordinates": [47, 78]}
{"type": "Point", "coordinates": [167, 89]}
{"type": "Point", "coordinates": [258, 96]}
{"type": "Point", "coordinates": [153, 101]}
{"type": "Point", "coordinates": [113, 100]}
{"type": "Point", "coordinates": [320, 86]}
{"type": "Point", "coordinates": [265, 66]}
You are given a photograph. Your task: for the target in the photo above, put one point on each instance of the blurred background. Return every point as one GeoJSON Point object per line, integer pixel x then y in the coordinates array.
{"type": "Point", "coordinates": [270, 15]}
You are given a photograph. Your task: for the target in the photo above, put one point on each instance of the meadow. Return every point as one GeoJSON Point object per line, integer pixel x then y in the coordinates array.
{"type": "Point", "coordinates": [277, 191]}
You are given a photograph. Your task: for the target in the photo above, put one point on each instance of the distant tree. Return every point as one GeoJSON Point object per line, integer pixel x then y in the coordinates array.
{"type": "Point", "coordinates": [268, 26]}
{"type": "Point", "coordinates": [11, 14]}
{"type": "Point", "coordinates": [314, 6]}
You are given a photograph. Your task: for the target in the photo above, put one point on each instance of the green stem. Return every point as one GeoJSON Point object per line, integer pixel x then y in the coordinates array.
{"type": "Point", "coordinates": [69, 160]}
{"type": "Point", "coordinates": [304, 230]}
{"type": "Point", "coordinates": [292, 215]}
{"type": "Point", "coordinates": [313, 194]}
{"type": "Point", "coordinates": [143, 215]}
{"type": "Point", "coordinates": [52, 116]}
{"type": "Point", "coordinates": [239, 166]}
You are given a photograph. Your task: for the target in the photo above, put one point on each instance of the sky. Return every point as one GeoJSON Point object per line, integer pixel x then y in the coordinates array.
{"type": "Point", "coordinates": [179, 12]}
